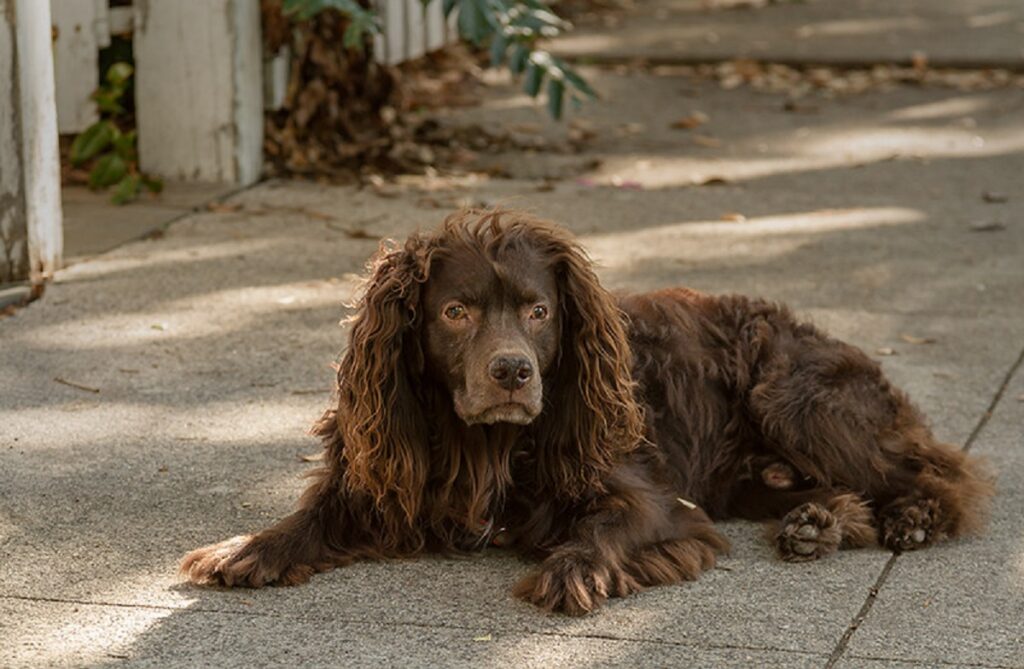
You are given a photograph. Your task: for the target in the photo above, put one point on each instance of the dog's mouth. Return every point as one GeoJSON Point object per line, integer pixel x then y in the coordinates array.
{"type": "Point", "coordinates": [516, 413]}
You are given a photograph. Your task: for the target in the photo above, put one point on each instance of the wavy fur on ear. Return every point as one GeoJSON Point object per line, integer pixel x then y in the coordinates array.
{"type": "Point", "coordinates": [595, 417]}
{"type": "Point", "coordinates": [379, 417]}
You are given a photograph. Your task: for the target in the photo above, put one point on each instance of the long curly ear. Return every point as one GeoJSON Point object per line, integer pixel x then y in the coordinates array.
{"type": "Point", "coordinates": [379, 415]}
{"type": "Point", "coordinates": [594, 417]}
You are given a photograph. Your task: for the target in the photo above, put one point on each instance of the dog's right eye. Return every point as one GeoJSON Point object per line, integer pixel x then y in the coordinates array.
{"type": "Point", "coordinates": [455, 312]}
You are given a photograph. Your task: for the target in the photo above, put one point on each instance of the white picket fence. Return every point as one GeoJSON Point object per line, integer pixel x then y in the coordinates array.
{"type": "Point", "coordinates": [202, 78]}
{"type": "Point", "coordinates": [83, 27]}
{"type": "Point", "coordinates": [200, 72]}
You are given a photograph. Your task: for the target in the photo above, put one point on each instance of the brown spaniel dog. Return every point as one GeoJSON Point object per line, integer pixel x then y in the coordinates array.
{"type": "Point", "coordinates": [494, 392]}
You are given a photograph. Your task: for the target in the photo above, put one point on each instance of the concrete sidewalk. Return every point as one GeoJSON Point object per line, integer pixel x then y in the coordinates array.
{"type": "Point", "coordinates": [856, 33]}
{"type": "Point", "coordinates": [156, 398]}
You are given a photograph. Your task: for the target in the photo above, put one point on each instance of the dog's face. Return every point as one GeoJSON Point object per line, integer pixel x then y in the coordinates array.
{"type": "Point", "coordinates": [492, 327]}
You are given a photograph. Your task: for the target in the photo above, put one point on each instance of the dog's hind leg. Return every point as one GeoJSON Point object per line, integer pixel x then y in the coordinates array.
{"type": "Point", "coordinates": [935, 492]}
{"type": "Point", "coordinates": [826, 408]}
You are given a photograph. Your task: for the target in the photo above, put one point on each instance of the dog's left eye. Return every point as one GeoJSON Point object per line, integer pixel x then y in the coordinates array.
{"type": "Point", "coordinates": [455, 312]}
{"type": "Point", "coordinates": [539, 312]}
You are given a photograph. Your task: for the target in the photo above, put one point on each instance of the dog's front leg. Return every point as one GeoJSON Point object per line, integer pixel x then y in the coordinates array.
{"type": "Point", "coordinates": [314, 538]}
{"type": "Point", "coordinates": [633, 536]}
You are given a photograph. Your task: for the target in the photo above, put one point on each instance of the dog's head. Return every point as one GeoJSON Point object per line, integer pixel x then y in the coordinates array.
{"type": "Point", "coordinates": [502, 316]}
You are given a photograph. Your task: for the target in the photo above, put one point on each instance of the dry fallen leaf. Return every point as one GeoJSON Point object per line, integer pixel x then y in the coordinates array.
{"type": "Point", "coordinates": [72, 384]}
{"type": "Point", "coordinates": [695, 119]}
{"type": "Point", "coordinates": [733, 217]}
{"type": "Point", "coordinates": [885, 350]}
{"type": "Point", "coordinates": [483, 637]}
{"type": "Point", "coordinates": [714, 181]}
{"type": "Point", "coordinates": [994, 197]}
{"type": "Point", "coordinates": [224, 207]}
{"type": "Point", "coordinates": [911, 339]}
{"type": "Point", "coordinates": [315, 457]}
{"type": "Point", "coordinates": [987, 226]}
{"type": "Point", "coordinates": [706, 140]}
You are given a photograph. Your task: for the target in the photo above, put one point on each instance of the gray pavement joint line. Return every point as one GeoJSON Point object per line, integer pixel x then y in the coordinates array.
{"type": "Point", "coordinates": [995, 401]}
{"type": "Point", "coordinates": [873, 593]}
{"type": "Point", "coordinates": [933, 662]}
{"type": "Point", "coordinates": [404, 623]}
{"type": "Point", "coordinates": [865, 609]}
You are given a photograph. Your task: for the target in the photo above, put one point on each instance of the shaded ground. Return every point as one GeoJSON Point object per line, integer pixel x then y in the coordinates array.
{"type": "Point", "coordinates": [953, 33]}
{"type": "Point", "coordinates": [209, 349]}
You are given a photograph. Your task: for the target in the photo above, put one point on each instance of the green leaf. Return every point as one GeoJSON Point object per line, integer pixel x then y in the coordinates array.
{"type": "Point", "coordinates": [108, 101]}
{"type": "Point", "coordinates": [127, 189]}
{"type": "Point", "coordinates": [109, 169]}
{"type": "Point", "coordinates": [353, 37]}
{"type": "Point", "coordinates": [153, 184]}
{"type": "Point", "coordinates": [556, 93]}
{"type": "Point", "coordinates": [519, 59]}
{"type": "Point", "coordinates": [499, 45]}
{"type": "Point", "coordinates": [91, 141]}
{"type": "Point", "coordinates": [307, 9]}
{"type": "Point", "coordinates": [572, 77]}
{"type": "Point", "coordinates": [124, 145]}
{"type": "Point", "coordinates": [473, 23]}
{"type": "Point", "coordinates": [118, 74]}
{"type": "Point", "coordinates": [534, 78]}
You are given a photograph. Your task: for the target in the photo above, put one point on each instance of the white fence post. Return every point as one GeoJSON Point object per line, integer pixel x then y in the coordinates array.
{"type": "Point", "coordinates": [199, 90]}
{"type": "Point", "coordinates": [31, 237]}
{"type": "Point", "coordinates": [79, 32]}
{"type": "Point", "coordinates": [410, 31]}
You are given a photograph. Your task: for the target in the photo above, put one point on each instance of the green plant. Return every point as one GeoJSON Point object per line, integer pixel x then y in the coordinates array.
{"type": "Point", "coordinates": [509, 28]}
{"type": "Point", "coordinates": [115, 159]}
{"type": "Point", "coordinates": [362, 22]}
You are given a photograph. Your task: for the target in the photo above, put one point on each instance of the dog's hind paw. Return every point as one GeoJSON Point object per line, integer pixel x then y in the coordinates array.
{"type": "Point", "coordinates": [911, 523]}
{"type": "Point", "coordinates": [808, 532]}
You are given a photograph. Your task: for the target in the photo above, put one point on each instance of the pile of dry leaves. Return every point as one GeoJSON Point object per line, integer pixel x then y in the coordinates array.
{"type": "Point", "coordinates": [346, 117]}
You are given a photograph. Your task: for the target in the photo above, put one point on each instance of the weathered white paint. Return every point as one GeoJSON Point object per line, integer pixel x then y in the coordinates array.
{"type": "Point", "coordinates": [410, 32]}
{"type": "Point", "coordinates": [31, 239]}
{"type": "Point", "coordinates": [76, 48]}
{"type": "Point", "coordinates": [276, 70]}
{"type": "Point", "coordinates": [393, 20]}
{"type": "Point", "coordinates": [437, 35]}
{"type": "Point", "coordinates": [415, 29]}
{"type": "Point", "coordinates": [199, 92]}
{"type": "Point", "coordinates": [120, 20]}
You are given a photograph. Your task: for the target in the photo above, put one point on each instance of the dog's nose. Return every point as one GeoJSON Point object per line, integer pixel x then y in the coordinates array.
{"type": "Point", "coordinates": [510, 372]}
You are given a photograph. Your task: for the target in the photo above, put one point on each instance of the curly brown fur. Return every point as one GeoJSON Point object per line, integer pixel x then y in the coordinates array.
{"type": "Point", "coordinates": [492, 390]}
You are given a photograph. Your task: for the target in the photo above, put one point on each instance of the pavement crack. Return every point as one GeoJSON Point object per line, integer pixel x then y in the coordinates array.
{"type": "Point", "coordinates": [865, 609]}
{"type": "Point", "coordinates": [985, 417]}
{"type": "Point", "coordinates": [862, 614]}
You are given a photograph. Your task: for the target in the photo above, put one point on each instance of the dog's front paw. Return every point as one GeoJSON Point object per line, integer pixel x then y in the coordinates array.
{"type": "Point", "coordinates": [569, 583]}
{"type": "Point", "coordinates": [910, 523]}
{"type": "Point", "coordinates": [240, 562]}
{"type": "Point", "coordinates": [808, 532]}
